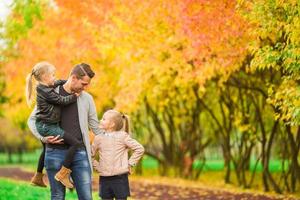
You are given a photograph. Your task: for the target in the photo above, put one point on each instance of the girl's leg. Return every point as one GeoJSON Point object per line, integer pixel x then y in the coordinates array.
{"type": "Point", "coordinates": [120, 187]}
{"type": "Point", "coordinates": [37, 179]}
{"type": "Point", "coordinates": [63, 175]}
{"type": "Point", "coordinates": [55, 130]}
{"type": "Point", "coordinates": [41, 160]}
{"type": "Point", "coordinates": [74, 145]}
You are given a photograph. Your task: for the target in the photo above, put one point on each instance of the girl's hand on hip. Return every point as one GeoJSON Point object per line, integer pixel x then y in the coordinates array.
{"type": "Point", "coordinates": [130, 171]}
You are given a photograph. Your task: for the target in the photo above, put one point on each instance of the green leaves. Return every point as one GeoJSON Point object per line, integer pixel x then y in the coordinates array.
{"type": "Point", "coordinates": [277, 28]}
{"type": "Point", "coordinates": [21, 21]}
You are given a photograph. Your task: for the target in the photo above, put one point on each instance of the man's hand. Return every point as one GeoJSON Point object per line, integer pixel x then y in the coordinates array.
{"type": "Point", "coordinates": [52, 140]}
{"type": "Point", "coordinates": [77, 94]}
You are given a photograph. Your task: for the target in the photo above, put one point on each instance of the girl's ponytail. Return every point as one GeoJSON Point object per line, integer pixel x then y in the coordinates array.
{"type": "Point", "coordinates": [28, 89]}
{"type": "Point", "coordinates": [126, 124]}
{"type": "Point", "coordinates": [38, 71]}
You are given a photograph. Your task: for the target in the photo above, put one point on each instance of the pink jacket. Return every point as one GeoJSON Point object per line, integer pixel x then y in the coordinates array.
{"type": "Point", "coordinates": [113, 153]}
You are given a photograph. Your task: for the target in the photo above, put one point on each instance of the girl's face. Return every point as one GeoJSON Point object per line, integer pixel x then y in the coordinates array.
{"type": "Point", "coordinates": [106, 122]}
{"type": "Point", "coordinates": [49, 77]}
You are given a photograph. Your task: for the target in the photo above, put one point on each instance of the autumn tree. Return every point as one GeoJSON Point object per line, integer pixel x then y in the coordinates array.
{"type": "Point", "coordinates": [277, 49]}
{"type": "Point", "coordinates": [190, 73]}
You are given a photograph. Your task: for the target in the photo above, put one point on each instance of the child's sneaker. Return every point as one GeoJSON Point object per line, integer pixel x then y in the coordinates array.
{"type": "Point", "coordinates": [37, 180]}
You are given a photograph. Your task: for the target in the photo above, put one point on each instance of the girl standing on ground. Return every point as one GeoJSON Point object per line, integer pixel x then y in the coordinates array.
{"type": "Point", "coordinates": [112, 147]}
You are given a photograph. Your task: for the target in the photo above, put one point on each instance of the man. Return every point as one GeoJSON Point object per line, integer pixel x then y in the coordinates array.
{"type": "Point", "coordinates": [76, 118]}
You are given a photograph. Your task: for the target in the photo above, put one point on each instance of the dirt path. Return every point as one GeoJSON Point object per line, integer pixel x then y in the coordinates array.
{"type": "Point", "coordinates": [151, 191]}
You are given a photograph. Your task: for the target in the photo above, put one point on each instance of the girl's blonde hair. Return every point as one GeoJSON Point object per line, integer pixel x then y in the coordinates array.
{"type": "Point", "coordinates": [120, 120]}
{"type": "Point", "coordinates": [38, 70]}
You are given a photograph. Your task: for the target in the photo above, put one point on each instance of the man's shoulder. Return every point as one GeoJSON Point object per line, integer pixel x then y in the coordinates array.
{"type": "Point", "coordinates": [86, 95]}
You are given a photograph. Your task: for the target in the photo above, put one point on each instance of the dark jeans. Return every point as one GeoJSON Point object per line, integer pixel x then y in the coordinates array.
{"type": "Point", "coordinates": [81, 173]}
{"type": "Point", "coordinates": [48, 129]}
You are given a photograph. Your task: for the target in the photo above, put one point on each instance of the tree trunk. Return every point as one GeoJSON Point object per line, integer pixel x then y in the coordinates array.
{"type": "Point", "coordinates": [295, 168]}
{"type": "Point", "coordinates": [9, 154]}
{"type": "Point", "coordinates": [20, 155]}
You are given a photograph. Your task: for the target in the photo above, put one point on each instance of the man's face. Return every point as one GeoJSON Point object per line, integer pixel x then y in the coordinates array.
{"type": "Point", "coordinates": [78, 85]}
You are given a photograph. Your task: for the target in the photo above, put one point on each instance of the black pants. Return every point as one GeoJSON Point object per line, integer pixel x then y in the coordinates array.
{"type": "Point", "coordinates": [114, 187]}
{"type": "Point", "coordinates": [41, 160]}
{"type": "Point", "coordinates": [74, 145]}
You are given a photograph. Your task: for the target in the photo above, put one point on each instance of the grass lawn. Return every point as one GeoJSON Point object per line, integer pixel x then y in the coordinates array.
{"type": "Point", "coordinates": [12, 189]}
{"type": "Point", "coordinates": [15, 190]}
{"type": "Point", "coordinates": [148, 163]}
{"type": "Point", "coordinates": [213, 175]}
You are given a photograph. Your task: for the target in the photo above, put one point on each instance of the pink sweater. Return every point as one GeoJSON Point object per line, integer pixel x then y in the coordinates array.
{"type": "Point", "coordinates": [113, 153]}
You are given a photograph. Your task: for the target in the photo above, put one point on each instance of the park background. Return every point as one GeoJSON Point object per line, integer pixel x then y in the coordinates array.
{"type": "Point", "coordinates": [211, 86]}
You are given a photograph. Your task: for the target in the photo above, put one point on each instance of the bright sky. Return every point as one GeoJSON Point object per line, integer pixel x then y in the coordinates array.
{"type": "Point", "coordinates": [4, 8]}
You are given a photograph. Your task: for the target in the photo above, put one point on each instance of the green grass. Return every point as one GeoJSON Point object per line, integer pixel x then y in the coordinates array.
{"type": "Point", "coordinates": [27, 157]}
{"type": "Point", "coordinates": [218, 165]}
{"type": "Point", "coordinates": [14, 190]}
{"type": "Point", "coordinates": [30, 160]}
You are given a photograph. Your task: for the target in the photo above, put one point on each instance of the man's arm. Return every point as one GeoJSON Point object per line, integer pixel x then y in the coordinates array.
{"type": "Point", "coordinates": [94, 153]}
{"type": "Point", "coordinates": [31, 124]}
{"type": "Point", "coordinates": [93, 118]}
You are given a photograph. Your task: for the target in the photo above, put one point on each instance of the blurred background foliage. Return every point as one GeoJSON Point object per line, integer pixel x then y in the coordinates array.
{"type": "Point", "coordinates": [201, 80]}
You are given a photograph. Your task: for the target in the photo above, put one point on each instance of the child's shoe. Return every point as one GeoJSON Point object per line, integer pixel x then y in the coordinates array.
{"type": "Point", "coordinates": [37, 180]}
{"type": "Point", "coordinates": [63, 176]}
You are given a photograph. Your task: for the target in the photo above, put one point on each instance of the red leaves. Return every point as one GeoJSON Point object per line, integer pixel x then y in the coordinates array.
{"type": "Point", "coordinates": [215, 31]}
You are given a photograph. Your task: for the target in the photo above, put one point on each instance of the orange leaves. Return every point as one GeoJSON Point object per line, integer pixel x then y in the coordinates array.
{"type": "Point", "coordinates": [215, 31]}
{"type": "Point", "coordinates": [129, 42]}
{"type": "Point", "coordinates": [91, 11]}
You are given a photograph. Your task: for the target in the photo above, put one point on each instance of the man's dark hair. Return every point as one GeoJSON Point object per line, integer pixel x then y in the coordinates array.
{"type": "Point", "coordinates": [81, 70]}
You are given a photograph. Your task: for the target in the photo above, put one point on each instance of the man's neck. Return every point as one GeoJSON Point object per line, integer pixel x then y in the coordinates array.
{"type": "Point", "coordinates": [67, 87]}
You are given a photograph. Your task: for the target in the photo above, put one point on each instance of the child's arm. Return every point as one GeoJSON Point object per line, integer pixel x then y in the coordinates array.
{"type": "Point", "coordinates": [59, 82]}
{"type": "Point", "coordinates": [138, 150]}
{"type": "Point", "coordinates": [53, 98]}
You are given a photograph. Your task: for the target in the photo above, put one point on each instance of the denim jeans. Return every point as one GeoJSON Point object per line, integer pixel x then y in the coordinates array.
{"type": "Point", "coordinates": [81, 173]}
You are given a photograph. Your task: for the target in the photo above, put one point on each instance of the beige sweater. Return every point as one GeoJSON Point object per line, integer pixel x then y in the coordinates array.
{"type": "Point", "coordinates": [113, 153]}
